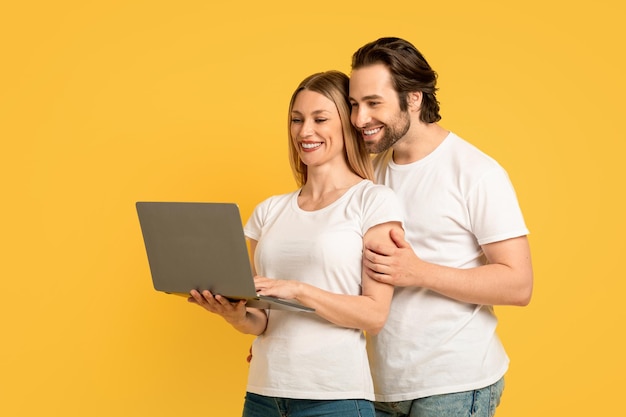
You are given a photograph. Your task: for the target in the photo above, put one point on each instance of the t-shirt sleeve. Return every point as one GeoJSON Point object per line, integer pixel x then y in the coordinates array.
{"type": "Point", "coordinates": [254, 225]}
{"type": "Point", "coordinates": [494, 210]}
{"type": "Point", "coordinates": [380, 205]}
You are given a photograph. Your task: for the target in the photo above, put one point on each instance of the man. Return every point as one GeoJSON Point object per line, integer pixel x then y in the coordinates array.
{"type": "Point", "coordinates": [465, 248]}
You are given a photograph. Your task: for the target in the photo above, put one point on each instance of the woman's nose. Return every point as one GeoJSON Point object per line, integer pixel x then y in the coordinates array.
{"type": "Point", "coordinates": [306, 129]}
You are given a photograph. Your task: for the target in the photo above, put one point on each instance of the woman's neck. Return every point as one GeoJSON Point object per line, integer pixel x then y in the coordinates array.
{"type": "Point", "coordinates": [323, 189]}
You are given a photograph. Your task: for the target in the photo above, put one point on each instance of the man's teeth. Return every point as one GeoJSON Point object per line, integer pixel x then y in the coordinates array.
{"type": "Point", "coordinates": [311, 145]}
{"type": "Point", "coordinates": [371, 131]}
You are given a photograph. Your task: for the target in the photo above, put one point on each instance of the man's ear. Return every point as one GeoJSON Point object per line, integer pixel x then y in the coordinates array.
{"type": "Point", "coordinates": [415, 100]}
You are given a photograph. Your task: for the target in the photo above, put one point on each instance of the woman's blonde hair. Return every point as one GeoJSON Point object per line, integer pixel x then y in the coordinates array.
{"type": "Point", "coordinates": [333, 85]}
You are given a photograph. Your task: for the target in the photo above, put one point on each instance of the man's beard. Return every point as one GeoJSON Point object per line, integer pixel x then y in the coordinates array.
{"type": "Point", "coordinates": [393, 132]}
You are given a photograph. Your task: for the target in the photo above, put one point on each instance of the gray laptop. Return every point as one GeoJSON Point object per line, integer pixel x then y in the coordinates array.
{"type": "Point", "coordinates": [201, 246]}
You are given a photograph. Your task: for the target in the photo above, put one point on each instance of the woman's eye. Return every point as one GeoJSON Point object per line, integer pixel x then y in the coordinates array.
{"type": "Point", "coordinates": [294, 120]}
{"type": "Point", "coordinates": [320, 120]}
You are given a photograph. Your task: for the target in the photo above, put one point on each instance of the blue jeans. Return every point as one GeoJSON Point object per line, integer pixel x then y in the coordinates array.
{"type": "Point", "coordinates": [477, 403]}
{"type": "Point", "coordinates": [262, 406]}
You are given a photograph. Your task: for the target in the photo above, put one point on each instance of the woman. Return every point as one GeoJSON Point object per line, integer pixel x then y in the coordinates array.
{"type": "Point", "coordinates": [310, 364]}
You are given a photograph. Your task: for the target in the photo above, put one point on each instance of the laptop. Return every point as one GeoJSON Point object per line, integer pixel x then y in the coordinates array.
{"type": "Point", "coordinates": [201, 246]}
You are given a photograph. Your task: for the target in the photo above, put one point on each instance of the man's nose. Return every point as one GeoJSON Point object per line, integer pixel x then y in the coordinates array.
{"type": "Point", "coordinates": [360, 117]}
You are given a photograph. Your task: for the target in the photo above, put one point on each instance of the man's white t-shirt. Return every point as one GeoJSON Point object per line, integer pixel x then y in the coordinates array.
{"type": "Point", "coordinates": [454, 200]}
{"type": "Point", "coordinates": [301, 355]}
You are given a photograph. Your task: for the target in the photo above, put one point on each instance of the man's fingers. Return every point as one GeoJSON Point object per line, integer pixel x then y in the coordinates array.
{"type": "Point", "coordinates": [384, 278]}
{"type": "Point", "coordinates": [374, 258]}
{"type": "Point", "coordinates": [370, 256]}
{"type": "Point", "coordinates": [397, 235]}
{"type": "Point", "coordinates": [378, 248]}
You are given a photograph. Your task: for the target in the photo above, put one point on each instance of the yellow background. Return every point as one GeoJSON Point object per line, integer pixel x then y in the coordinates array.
{"type": "Point", "coordinates": [106, 103]}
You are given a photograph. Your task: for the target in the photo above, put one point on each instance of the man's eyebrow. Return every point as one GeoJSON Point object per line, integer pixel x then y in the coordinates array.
{"type": "Point", "coordinates": [370, 97]}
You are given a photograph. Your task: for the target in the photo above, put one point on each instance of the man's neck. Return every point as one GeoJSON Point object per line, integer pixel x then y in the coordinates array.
{"type": "Point", "coordinates": [419, 142]}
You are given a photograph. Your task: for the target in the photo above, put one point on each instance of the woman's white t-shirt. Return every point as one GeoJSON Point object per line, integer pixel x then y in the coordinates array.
{"type": "Point", "coordinates": [301, 355]}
